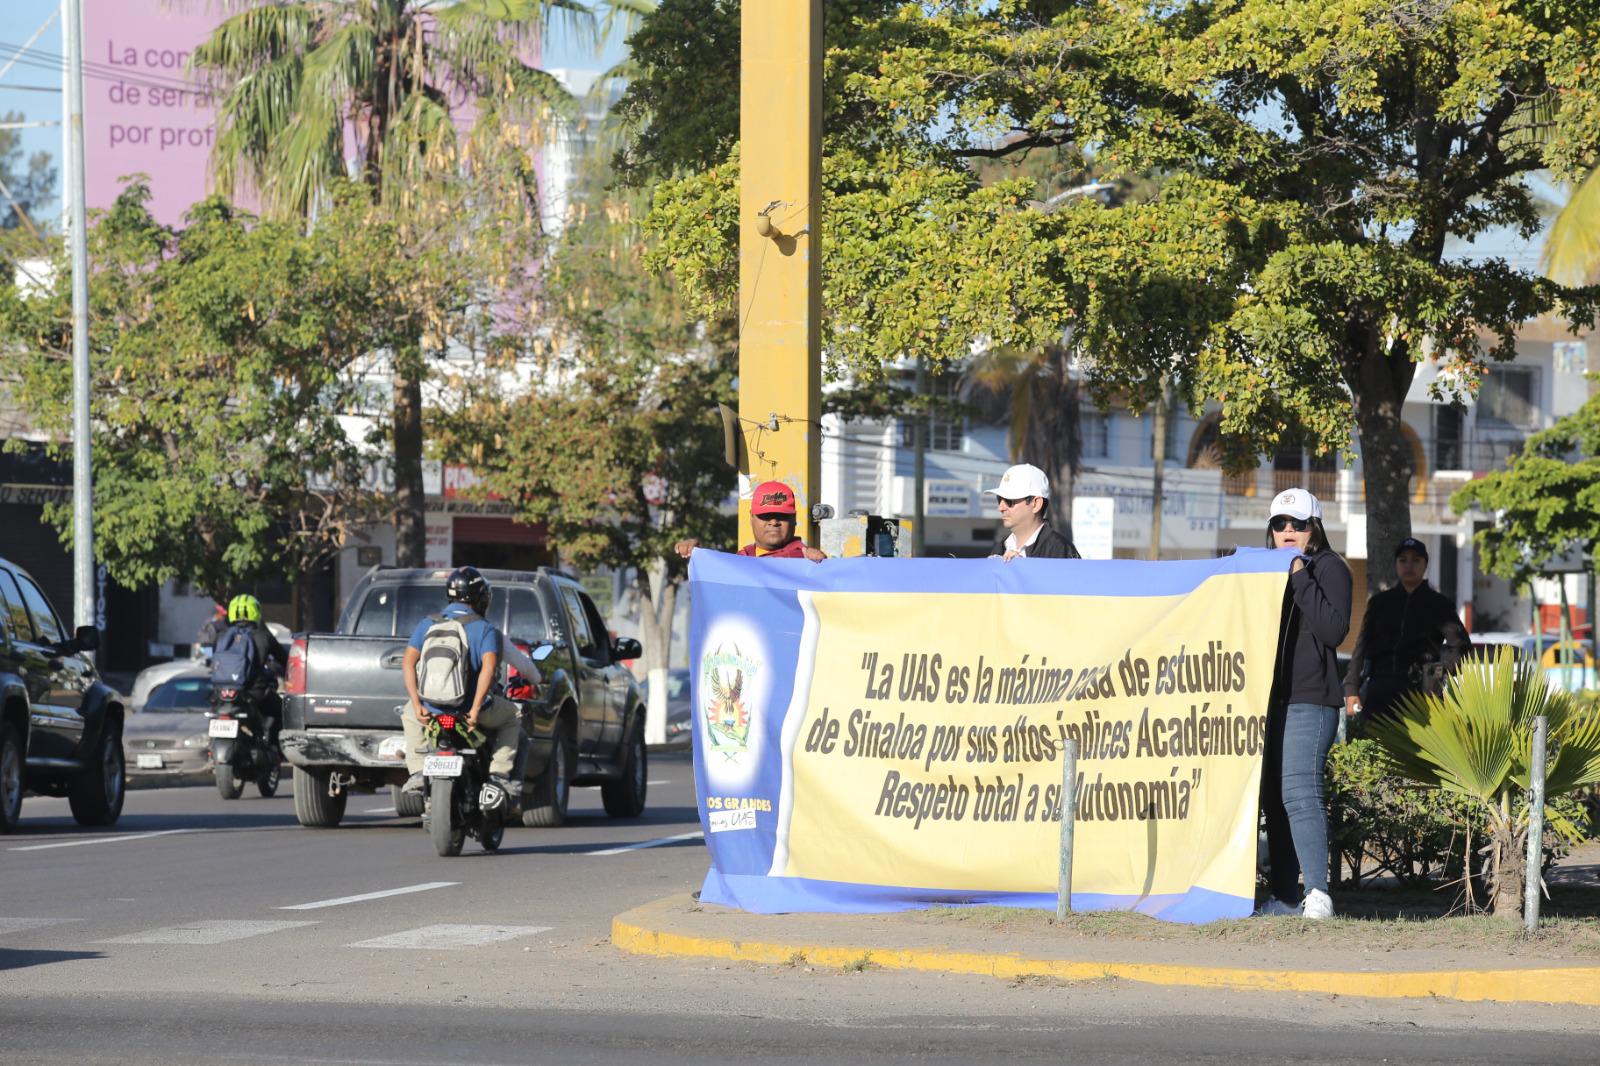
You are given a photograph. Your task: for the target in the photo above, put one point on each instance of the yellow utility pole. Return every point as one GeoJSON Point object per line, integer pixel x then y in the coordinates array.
{"type": "Point", "coordinates": [780, 266]}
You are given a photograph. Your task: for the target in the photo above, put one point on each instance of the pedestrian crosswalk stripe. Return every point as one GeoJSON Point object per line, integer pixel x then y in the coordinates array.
{"type": "Point", "coordinates": [426, 886]}
{"type": "Point", "coordinates": [450, 937]}
{"type": "Point", "coordinates": [22, 925]}
{"type": "Point", "coordinates": [204, 933]}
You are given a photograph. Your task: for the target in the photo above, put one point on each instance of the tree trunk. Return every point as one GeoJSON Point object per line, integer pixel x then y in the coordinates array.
{"type": "Point", "coordinates": [658, 599]}
{"type": "Point", "coordinates": [1158, 467]}
{"type": "Point", "coordinates": [1379, 385]}
{"type": "Point", "coordinates": [1510, 864]}
{"type": "Point", "coordinates": [410, 527]}
{"type": "Point", "coordinates": [1052, 439]}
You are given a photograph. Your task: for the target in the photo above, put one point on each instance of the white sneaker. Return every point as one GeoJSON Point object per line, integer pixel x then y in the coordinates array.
{"type": "Point", "coordinates": [1276, 908]}
{"type": "Point", "coordinates": [1318, 905]}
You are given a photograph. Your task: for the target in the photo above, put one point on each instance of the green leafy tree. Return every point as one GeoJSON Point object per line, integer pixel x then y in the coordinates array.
{"type": "Point", "coordinates": [1546, 503]}
{"type": "Point", "coordinates": [1317, 160]}
{"type": "Point", "coordinates": [225, 354]}
{"type": "Point", "coordinates": [612, 445]}
{"type": "Point", "coordinates": [443, 110]}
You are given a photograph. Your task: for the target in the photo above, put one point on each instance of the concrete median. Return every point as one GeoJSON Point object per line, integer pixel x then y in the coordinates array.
{"type": "Point", "coordinates": [680, 927]}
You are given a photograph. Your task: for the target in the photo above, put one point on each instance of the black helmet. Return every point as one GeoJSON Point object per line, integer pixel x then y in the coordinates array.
{"type": "Point", "coordinates": [466, 585]}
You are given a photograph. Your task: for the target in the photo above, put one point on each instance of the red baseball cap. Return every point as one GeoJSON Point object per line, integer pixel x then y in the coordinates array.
{"type": "Point", "coordinates": [772, 497]}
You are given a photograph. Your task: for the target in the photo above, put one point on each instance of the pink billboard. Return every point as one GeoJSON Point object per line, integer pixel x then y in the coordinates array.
{"type": "Point", "coordinates": [142, 112]}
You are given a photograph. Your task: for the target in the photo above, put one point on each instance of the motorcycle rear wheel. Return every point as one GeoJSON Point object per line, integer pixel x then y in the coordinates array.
{"type": "Point", "coordinates": [444, 821]}
{"type": "Point", "coordinates": [229, 786]}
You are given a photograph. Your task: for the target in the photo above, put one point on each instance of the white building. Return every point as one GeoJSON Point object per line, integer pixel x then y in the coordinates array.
{"type": "Point", "coordinates": [869, 466]}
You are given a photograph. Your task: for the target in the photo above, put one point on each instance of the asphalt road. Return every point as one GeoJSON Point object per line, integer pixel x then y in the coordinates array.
{"type": "Point", "coordinates": [200, 931]}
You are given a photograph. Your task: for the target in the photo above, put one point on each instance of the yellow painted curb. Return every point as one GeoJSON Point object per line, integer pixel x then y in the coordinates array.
{"type": "Point", "coordinates": [640, 932]}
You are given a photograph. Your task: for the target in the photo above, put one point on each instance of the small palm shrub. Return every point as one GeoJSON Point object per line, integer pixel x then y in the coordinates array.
{"type": "Point", "coordinates": [1474, 740]}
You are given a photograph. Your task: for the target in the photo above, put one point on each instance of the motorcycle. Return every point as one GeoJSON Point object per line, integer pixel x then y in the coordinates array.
{"type": "Point", "coordinates": [461, 799]}
{"type": "Point", "coordinates": [241, 751]}
{"type": "Point", "coordinates": [458, 794]}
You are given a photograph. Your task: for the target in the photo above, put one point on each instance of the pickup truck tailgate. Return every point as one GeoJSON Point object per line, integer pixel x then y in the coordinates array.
{"type": "Point", "coordinates": [353, 682]}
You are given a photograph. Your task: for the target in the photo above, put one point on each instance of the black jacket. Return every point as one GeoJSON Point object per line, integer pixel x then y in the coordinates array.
{"type": "Point", "coordinates": [1316, 619]}
{"type": "Point", "coordinates": [1404, 630]}
{"type": "Point", "coordinates": [1047, 545]}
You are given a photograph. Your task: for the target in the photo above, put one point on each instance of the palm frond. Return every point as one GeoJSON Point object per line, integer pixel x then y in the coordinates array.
{"type": "Point", "coordinates": [1571, 253]}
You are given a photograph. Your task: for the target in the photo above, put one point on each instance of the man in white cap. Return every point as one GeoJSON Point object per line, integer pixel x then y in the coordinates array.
{"type": "Point", "coordinates": [1023, 496]}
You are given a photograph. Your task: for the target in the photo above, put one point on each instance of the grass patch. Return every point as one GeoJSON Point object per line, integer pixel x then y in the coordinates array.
{"type": "Point", "coordinates": [1371, 921]}
{"type": "Point", "coordinates": [860, 965]}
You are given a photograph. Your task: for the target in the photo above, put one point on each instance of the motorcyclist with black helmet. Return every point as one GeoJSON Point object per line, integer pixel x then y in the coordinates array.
{"type": "Point", "coordinates": [467, 593]}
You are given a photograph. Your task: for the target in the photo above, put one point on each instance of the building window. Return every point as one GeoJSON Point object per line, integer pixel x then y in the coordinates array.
{"type": "Point", "coordinates": [1509, 396]}
{"type": "Point", "coordinates": [1095, 429]}
{"type": "Point", "coordinates": [944, 435]}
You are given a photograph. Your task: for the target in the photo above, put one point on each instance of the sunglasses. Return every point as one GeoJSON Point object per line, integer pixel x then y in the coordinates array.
{"type": "Point", "coordinates": [1004, 502]}
{"type": "Point", "coordinates": [1282, 522]}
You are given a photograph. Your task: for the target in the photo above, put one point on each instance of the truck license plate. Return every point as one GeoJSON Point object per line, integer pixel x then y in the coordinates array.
{"type": "Point", "coordinates": [442, 765]}
{"type": "Point", "coordinates": [148, 762]}
{"type": "Point", "coordinates": [221, 727]}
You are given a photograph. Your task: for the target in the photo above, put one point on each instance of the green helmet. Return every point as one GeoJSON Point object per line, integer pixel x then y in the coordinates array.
{"type": "Point", "coordinates": [244, 608]}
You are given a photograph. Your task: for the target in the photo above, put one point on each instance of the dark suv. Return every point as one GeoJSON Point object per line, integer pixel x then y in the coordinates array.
{"type": "Point", "coordinates": [60, 727]}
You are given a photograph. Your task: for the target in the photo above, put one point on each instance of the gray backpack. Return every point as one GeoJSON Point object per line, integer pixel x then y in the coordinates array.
{"type": "Point", "coordinates": [446, 656]}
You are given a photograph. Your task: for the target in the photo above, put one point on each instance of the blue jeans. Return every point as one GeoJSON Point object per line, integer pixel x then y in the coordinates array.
{"type": "Point", "coordinates": [1294, 797]}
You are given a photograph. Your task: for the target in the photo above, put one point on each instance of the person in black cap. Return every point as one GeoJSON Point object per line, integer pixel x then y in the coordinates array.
{"type": "Point", "coordinates": [1410, 638]}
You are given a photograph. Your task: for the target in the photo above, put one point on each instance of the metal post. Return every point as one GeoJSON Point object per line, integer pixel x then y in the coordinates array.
{"type": "Point", "coordinates": [1069, 817]}
{"type": "Point", "coordinates": [1531, 882]}
{"type": "Point", "coordinates": [83, 591]}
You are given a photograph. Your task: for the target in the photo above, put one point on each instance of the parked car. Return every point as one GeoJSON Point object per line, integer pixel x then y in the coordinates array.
{"type": "Point", "coordinates": [680, 720]}
{"type": "Point", "coordinates": [167, 737]}
{"type": "Point", "coordinates": [344, 695]}
{"type": "Point", "coordinates": [151, 676]}
{"type": "Point", "coordinates": [60, 725]}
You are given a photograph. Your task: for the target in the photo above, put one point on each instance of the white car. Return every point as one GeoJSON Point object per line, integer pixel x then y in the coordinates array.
{"type": "Point", "coordinates": [151, 676]}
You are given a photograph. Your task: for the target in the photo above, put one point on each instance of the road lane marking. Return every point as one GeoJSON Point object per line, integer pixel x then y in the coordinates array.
{"type": "Point", "coordinates": [450, 937]}
{"type": "Point", "coordinates": [102, 840]}
{"type": "Point", "coordinates": [22, 925]}
{"type": "Point", "coordinates": [379, 810]}
{"type": "Point", "coordinates": [658, 782]}
{"type": "Point", "coordinates": [342, 900]}
{"type": "Point", "coordinates": [696, 835]}
{"type": "Point", "coordinates": [201, 934]}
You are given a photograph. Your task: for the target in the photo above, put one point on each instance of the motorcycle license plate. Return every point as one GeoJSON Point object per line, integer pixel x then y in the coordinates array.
{"type": "Point", "coordinates": [442, 765]}
{"type": "Point", "coordinates": [148, 762]}
{"type": "Point", "coordinates": [224, 728]}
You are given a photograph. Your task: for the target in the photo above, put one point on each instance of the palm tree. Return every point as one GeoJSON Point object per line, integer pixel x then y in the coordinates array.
{"type": "Point", "coordinates": [299, 80]}
{"type": "Point", "coordinates": [1044, 428]}
{"type": "Point", "coordinates": [1475, 739]}
{"type": "Point", "coordinates": [1572, 251]}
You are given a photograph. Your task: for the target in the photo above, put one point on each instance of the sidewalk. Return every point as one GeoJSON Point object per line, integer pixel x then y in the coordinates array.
{"type": "Point", "coordinates": [1463, 959]}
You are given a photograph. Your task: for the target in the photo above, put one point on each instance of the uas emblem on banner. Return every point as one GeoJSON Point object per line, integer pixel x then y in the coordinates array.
{"type": "Point", "coordinates": [726, 677]}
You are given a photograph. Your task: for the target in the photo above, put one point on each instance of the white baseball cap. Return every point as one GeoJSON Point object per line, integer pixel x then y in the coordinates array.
{"type": "Point", "coordinates": [1296, 503]}
{"type": "Point", "coordinates": [1019, 481]}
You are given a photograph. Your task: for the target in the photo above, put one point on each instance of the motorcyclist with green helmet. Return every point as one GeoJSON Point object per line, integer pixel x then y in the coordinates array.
{"type": "Point", "coordinates": [244, 624]}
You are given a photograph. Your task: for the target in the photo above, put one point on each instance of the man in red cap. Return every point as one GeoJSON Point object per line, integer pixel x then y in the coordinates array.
{"type": "Point", "coordinates": [772, 523]}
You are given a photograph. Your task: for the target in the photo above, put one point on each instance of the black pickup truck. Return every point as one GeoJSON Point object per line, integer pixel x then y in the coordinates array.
{"type": "Point", "coordinates": [60, 726]}
{"type": "Point", "coordinates": [344, 694]}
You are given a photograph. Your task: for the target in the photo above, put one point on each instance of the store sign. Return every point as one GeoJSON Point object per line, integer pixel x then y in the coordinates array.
{"type": "Point", "coordinates": [947, 499]}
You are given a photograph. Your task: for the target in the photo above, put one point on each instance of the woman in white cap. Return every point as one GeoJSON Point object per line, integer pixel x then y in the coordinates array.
{"type": "Point", "coordinates": [1023, 496]}
{"type": "Point", "coordinates": [1303, 715]}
